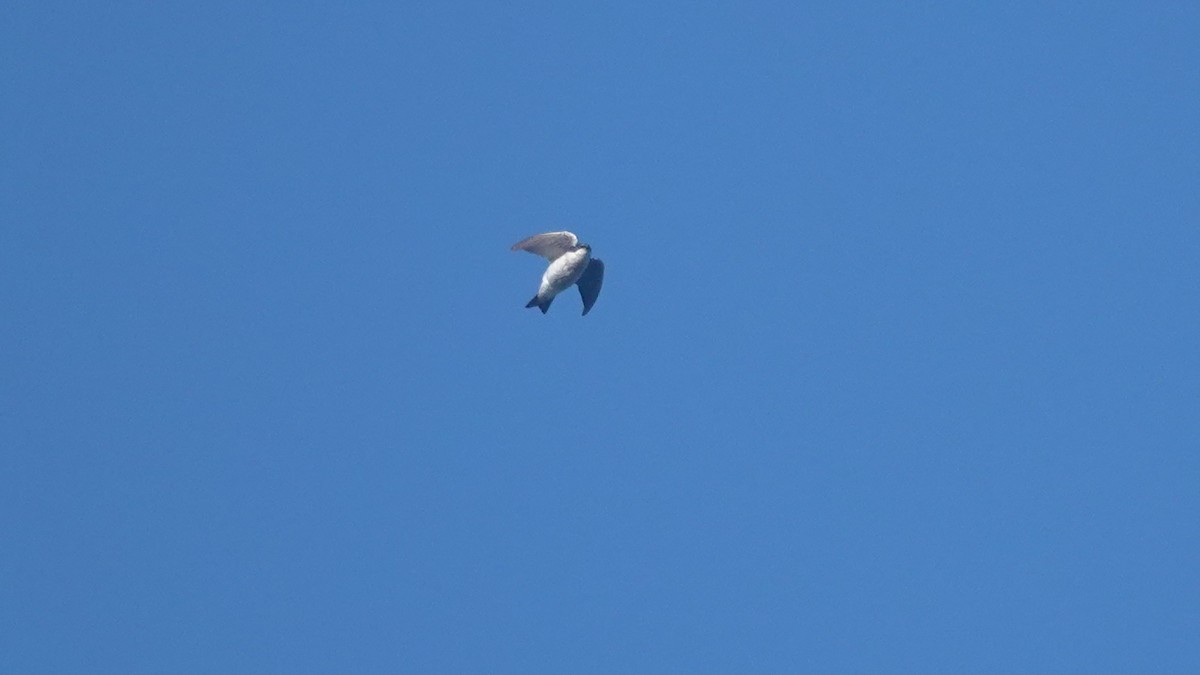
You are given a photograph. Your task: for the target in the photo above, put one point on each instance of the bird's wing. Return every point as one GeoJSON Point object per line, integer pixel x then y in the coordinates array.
{"type": "Point", "coordinates": [549, 245]}
{"type": "Point", "coordinates": [590, 283]}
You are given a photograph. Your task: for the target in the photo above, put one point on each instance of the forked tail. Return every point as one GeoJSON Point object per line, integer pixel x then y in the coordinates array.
{"type": "Point", "coordinates": [543, 305]}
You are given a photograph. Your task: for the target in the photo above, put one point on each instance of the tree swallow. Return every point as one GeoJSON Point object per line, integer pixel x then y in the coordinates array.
{"type": "Point", "coordinates": [570, 263]}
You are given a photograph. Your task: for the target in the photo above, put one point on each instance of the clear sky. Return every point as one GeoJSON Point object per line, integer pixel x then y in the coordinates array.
{"type": "Point", "coordinates": [895, 368]}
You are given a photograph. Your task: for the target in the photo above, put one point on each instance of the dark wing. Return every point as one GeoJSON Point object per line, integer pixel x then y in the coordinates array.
{"type": "Point", "coordinates": [549, 245]}
{"type": "Point", "coordinates": [590, 282]}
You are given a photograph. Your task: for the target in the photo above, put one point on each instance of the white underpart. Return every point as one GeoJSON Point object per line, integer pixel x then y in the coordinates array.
{"type": "Point", "coordinates": [564, 271]}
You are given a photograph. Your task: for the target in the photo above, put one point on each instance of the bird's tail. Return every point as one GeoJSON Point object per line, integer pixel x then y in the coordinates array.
{"type": "Point", "coordinates": [543, 305]}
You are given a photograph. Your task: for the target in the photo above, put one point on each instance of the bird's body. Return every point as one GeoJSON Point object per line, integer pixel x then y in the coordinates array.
{"type": "Point", "coordinates": [570, 263]}
{"type": "Point", "coordinates": [563, 272]}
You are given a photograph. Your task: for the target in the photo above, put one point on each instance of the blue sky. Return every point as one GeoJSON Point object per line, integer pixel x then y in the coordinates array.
{"type": "Point", "coordinates": [895, 368]}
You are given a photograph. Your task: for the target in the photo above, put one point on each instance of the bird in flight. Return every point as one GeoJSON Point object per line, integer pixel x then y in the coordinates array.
{"type": "Point", "coordinates": [570, 263]}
